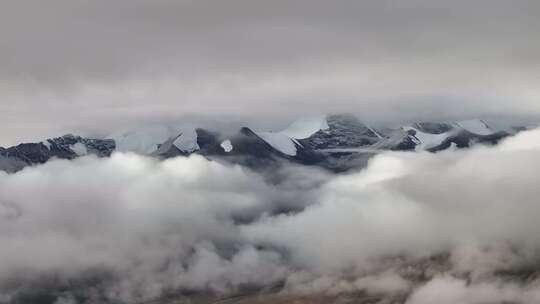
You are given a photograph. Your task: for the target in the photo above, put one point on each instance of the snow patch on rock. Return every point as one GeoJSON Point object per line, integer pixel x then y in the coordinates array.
{"type": "Point", "coordinates": [79, 149]}
{"type": "Point", "coordinates": [227, 146]}
{"type": "Point", "coordinates": [142, 141]}
{"type": "Point", "coordinates": [187, 141]}
{"type": "Point", "coordinates": [280, 142]}
{"type": "Point", "coordinates": [286, 142]}
{"type": "Point", "coordinates": [147, 140]}
{"type": "Point", "coordinates": [375, 132]}
{"type": "Point", "coordinates": [304, 128]}
{"type": "Point", "coordinates": [426, 140]}
{"type": "Point", "coordinates": [476, 126]}
{"type": "Point", "coordinates": [47, 144]}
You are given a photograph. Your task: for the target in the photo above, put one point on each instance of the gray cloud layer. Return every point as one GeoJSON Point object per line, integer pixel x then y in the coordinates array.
{"type": "Point", "coordinates": [84, 64]}
{"type": "Point", "coordinates": [150, 227]}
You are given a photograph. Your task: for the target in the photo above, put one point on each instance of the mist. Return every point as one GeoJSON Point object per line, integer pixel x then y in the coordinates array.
{"type": "Point", "coordinates": [94, 66]}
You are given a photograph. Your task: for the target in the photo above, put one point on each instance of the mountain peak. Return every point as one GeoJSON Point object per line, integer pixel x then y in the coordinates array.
{"type": "Point", "coordinates": [147, 140]}
{"type": "Point", "coordinates": [333, 141]}
{"type": "Point", "coordinates": [305, 127]}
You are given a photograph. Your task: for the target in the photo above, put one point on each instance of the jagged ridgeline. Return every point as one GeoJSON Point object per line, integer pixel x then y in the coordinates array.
{"type": "Point", "coordinates": [334, 142]}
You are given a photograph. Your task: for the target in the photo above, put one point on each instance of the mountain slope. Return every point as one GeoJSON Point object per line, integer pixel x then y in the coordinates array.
{"type": "Point", "coordinates": [335, 142]}
{"type": "Point", "coordinates": [65, 147]}
{"type": "Point", "coordinates": [344, 131]}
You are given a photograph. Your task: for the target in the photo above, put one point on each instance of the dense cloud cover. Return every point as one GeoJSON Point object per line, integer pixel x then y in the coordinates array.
{"type": "Point", "coordinates": [458, 226]}
{"type": "Point", "coordinates": [104, 63]}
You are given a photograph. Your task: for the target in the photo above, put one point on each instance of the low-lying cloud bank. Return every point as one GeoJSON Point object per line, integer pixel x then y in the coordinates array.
{"type": "Point", "coordinates": [457, 226]}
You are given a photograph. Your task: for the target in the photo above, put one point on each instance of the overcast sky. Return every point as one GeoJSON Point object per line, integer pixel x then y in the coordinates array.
{"type": "Point", "coordinates": [93, 65]}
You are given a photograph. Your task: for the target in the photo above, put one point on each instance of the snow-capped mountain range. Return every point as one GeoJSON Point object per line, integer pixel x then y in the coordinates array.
{"type": "Point", "coordinates": [334, 142]}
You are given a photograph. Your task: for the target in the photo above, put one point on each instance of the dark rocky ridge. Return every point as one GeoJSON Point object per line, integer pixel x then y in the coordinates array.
{"type": "Point", "coordinates": [14, 157]}
{"type": "Point", "coordinates": [347, 143]}
{"type": "Point", "coordinates": [345, 131]}
{"type": "Point", "coordinates": [466, 139]}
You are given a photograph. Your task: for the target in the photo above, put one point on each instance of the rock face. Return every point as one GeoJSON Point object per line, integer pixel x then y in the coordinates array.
{"type": "Point", "coordinates": [466, 139]}
{"type": "Point", "coordinates": [248, 149]}
{"type": "Point", "coordinates": [344, 131]}
{"type": "Point", "coordinates": [433, 127]}
{"type": "Point", "coordinates": [334, 142]}
{"type": "Point", "coordinates": [11, 164]}
{"type": "Point", "coordinates": [65, 147]}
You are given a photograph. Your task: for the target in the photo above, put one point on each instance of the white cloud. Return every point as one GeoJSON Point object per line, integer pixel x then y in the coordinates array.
{"type": "Point", "coordinates": [410, 222]}
{"type": "Point", "coordinates": [448, 290]}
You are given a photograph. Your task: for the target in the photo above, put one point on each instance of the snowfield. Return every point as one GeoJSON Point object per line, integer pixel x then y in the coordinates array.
{"type": "Point", "coordinates": [279, 141]}
{"type": "Point", "coordinates": [304, 128]}
{"type": "Point", "coordinates": [427, 140]}
{"type": "Point", "coordinates": [476, 126]}
{"type": "Point", "coordinates": [286, 142]}
{"type": "Point", "coordinates": [146, 140]}
{"type": "Point", "coordinates": [187, 141]}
